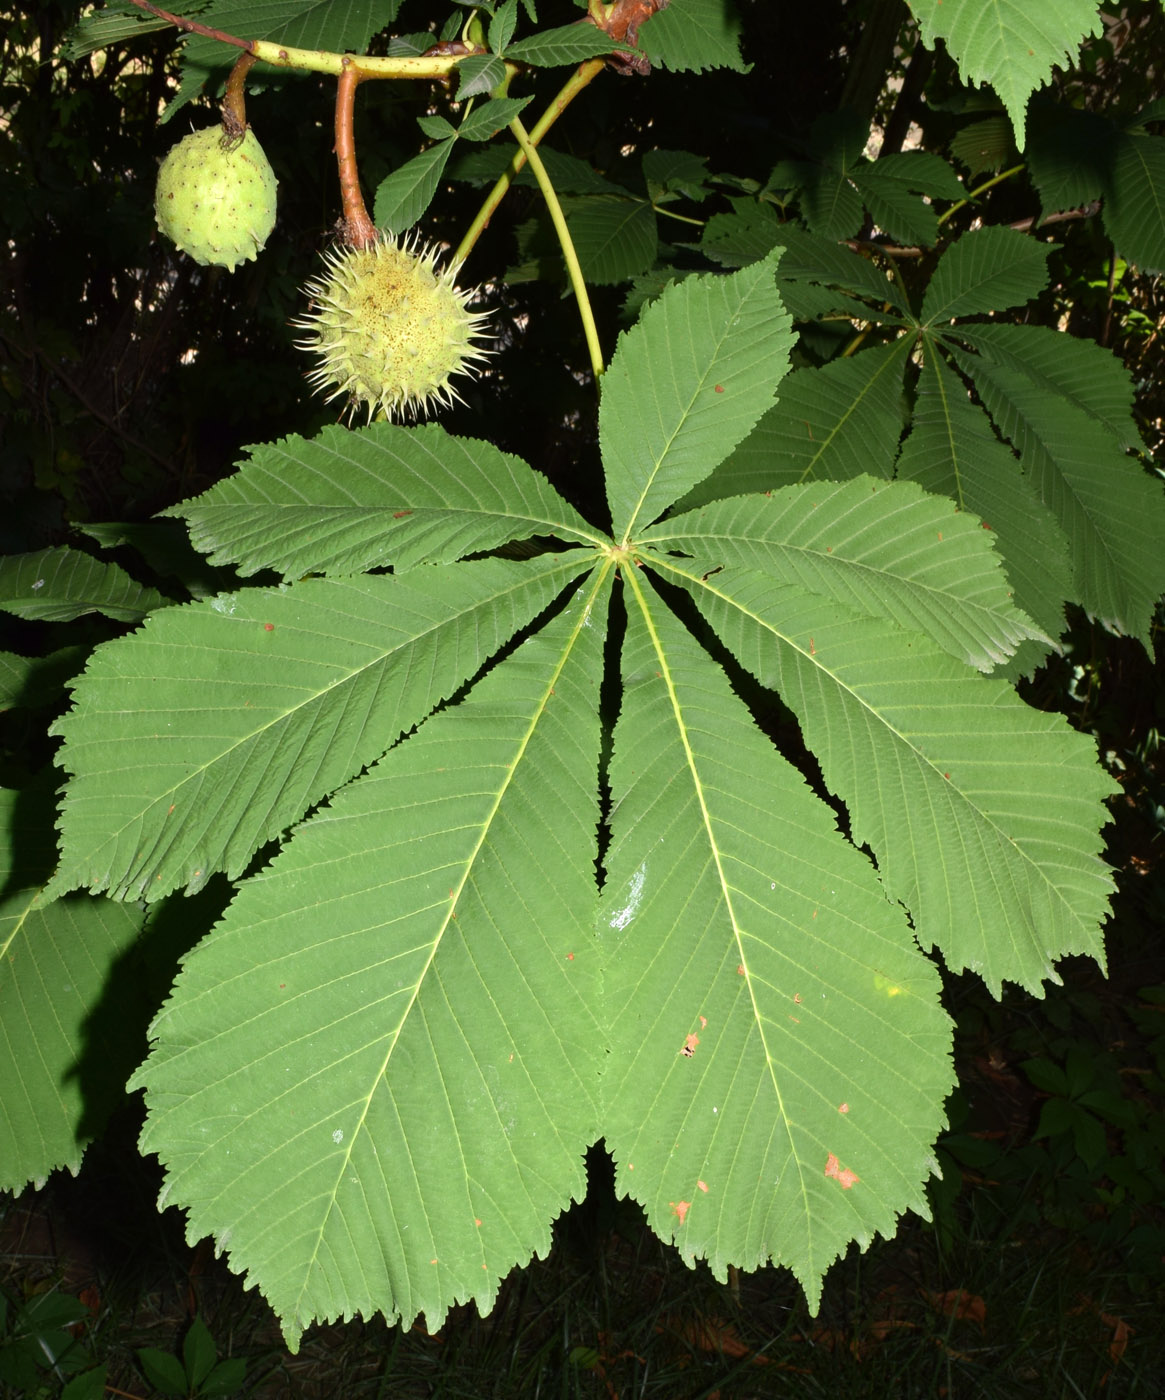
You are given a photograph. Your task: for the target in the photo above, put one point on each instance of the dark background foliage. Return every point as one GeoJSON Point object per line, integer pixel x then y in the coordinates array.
{"type": "Point", "coordinates": [131, 378]}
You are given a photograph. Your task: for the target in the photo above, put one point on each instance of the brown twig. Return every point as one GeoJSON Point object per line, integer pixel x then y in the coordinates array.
{"type": "Point", "coordinates": [191, 26]}
{"type": "Point", "coordinates": [359, 230]}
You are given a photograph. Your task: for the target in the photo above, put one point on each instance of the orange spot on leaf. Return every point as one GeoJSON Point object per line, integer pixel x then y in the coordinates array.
{"type": "Point", "coordinates": [400, 514]}
{"type": "Point", "coordinates": [268, 627]}
{"type": "Point", "coordinates": [719, 388]}
{"type": "Point", "coordinates": [703, 1185]}
{"type": "Point", "coordinates": [690, 1043]}
{"type": "Point", "coordinates": [680, 1209]}
{"type": "Point", "coordinates": [843, 1175]}
{"type": "Point", "coordinates": [843, 1108]}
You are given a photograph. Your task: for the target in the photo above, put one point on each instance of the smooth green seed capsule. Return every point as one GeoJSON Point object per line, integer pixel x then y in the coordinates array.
{"type": "Point", "coordinates": [216, 198]}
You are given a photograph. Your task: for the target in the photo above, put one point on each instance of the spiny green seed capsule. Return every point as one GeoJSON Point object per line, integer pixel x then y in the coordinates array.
{"type": "Point", "coordinates": [216, 197]}
{"type": "Point", "coordinates": [390, 329]}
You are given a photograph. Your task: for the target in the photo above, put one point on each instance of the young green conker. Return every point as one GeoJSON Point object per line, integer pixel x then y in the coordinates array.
{"type": "Point", "coordinates": [389, 329]}
{"type": "Point", "coordinates": [216, 197]}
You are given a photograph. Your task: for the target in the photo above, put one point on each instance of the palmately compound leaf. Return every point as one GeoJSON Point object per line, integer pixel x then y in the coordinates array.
{"type": "Point", "coordinates": [207, 733]}
{"type": "Point", "coordinates": [982, 813]}
{"type": "Point", "coordinates": [885, 549]}
{"type": "Point", "coordinates": [777, 1054]}
{"type": "Point", "coordinates": [64, 1058]}
{"type": "Point", "coordinates": [375, 1081]}
{"type": "Point", "coordinates": [1011, 44]}
{"type": "Point", "coordinates": [348, 501]}
{"type": "Point", "coordinates": [685, 385]}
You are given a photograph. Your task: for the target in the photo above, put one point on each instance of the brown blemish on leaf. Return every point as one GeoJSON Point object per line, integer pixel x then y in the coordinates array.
{"type": "Point", "coordinates": [740, 969]}
{"type": "Point", "coordinates": [703, 1185]}
{"type": "Point", "coordinates": [690, 1043]}
{"type": "Point", "coordinates": [843, 1108]}
{"type": "Point", "coordinates": [680, 1209]}
{"type": "Point", "coordinates": [843, 1175]}
{"type": "Point", "coordinates": [703, 1022]}
{"type": "Point", "coordinates": [400, 514]}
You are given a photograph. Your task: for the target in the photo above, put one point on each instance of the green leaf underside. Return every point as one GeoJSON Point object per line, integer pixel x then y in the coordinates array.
{"type": "Point", "coordinates": [298, 689]}
{"type": "Point", "coordinates": [1087, 374]}
{"type": "Point", "coordinates": [840, 421]}
{"type": "Point", "coordinates": [690, 385]}
{"type": "Point", "coordinates": [1134, 211]}
{"type": "Point", "coordinates": [55, 958]}
{"type": "Point", "coordinates": [833, 208]}
{"type": "Point", "coordinates": [690, 36]}
{"type": "Point", "coordinates": [884, 550]}
{"type": "Point", "coordinates": [571, 43]}
{"type": "Point", "coordinates": [393, 1032]}
{"type": "Point", "coordinates": [777, 1054]}
{"type": "Point", "coordinates": [615, 238]}
{"type": "Point", "coordinates": [58, 585]}
{"type": "Point", "coordinates": [889, 193]}
{"type": "Point", "coordinates": [486, 121]}
{"type": "Point", "coordinates": [1012, 44]}
{"type": "Point", "coordinates": [953, 451]}
{"type": "Point", "coordinates": [479, 74]}
{"type": "Point", "coordinates": [982, 813]}
{"type": "Point", "coordinates": [402, 198]}
{"type": "Point", "coordinates": [348, 501]}
{"type": "Point", "coordinates": [753, 231]}
{"type": "Point", "coordinates": [988, 269]}
{"type": "Point", "coordinates": [1112, 512]}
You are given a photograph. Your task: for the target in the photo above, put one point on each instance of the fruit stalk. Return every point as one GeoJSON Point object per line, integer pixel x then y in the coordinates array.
{"type": "Point", "coordinates": [234, 105]}
{"type": "Point", "coordinates": [359, 230]}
